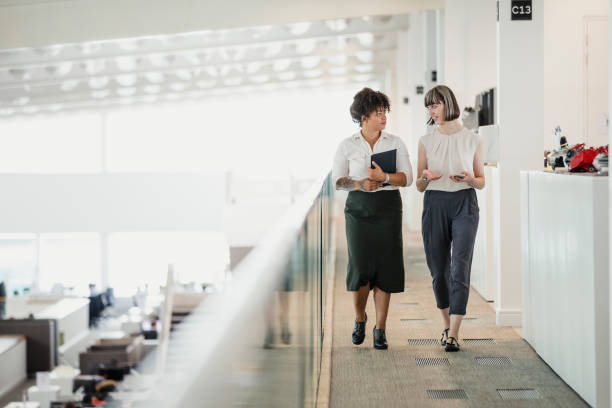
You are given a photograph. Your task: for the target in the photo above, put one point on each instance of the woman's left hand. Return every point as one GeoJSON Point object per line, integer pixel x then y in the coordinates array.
{"type": "Point", "coordinates": [376, 173]}
{"type": "Point", "coordinates": [467, 177]}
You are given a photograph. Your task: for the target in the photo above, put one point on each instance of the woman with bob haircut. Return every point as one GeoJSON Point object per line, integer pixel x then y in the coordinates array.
{"type": "Point", "coordinates": [450, 166]}
{"type": "Point", "coordinates": [373, 212]}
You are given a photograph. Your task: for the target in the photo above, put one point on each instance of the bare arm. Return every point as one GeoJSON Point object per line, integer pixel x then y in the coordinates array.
{"type": "Point", "coordinates": [396, 179]}
{"type": "Point", "coordinates": [478, 181]}
{"type": "Point", "coordinates": [348, 184]}
{"type": "Point", "coordinates": [421, 166]}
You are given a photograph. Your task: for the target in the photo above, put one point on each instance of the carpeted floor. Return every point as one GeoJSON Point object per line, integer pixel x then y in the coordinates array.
{"type": "Point", "coordinates": [364, 377]}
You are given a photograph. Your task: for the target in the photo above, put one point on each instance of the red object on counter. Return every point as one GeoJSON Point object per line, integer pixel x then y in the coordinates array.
{"type": "Point", "coordinates": [583, 160]}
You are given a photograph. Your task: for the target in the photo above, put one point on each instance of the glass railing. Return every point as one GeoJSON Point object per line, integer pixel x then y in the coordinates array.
{"type": "Point", "coordinates": [259, 342]}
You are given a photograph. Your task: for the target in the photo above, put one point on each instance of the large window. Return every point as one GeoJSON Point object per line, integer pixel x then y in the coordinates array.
{"type": "Point", "coordinates": [267, 135]}
{"type": "Point", "coordinates": [72, 260]}
{"type": "Point", "coordinates": [62, 143]}
{"type": "Point", "coordinates": [17, 261]}
{"type": "Point", "coordinates": [137, 259]}
{"type": "Point", "coordinates": [267, 146]}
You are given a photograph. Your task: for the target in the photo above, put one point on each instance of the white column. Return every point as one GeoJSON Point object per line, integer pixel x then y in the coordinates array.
{"type": "Point", "coordinates": [411, 116]}
{"type": "Point", "coordinates": [104, 260]}
{"type": "Point", "coordinates": [456, 46]}
{"type": "Point", "coordinates": [520, 109]}
{"type": "Point", "coordinates": [610, 186]}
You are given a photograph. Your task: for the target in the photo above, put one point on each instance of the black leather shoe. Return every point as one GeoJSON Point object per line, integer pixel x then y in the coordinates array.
{"type": "Point", "coordinates": [452, 344]}
{"type": "Point", "coordinates": [359, 331]}
{"type": "Point", "coordinates": [380, 339]}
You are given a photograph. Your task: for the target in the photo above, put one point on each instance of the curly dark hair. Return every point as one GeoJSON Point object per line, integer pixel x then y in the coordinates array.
{"type": "Point", "coordinates": [367, 101]}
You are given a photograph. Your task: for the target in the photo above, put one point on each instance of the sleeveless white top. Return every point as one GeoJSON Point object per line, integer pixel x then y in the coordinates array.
{"type": "Point", "coordinates": [448, 155]}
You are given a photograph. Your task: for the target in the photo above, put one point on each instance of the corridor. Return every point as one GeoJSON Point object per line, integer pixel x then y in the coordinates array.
{"type": "Point", "coordinates": [495, 368]}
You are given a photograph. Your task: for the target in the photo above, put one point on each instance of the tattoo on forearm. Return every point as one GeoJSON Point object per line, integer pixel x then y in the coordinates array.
{"type": "Point", "coordinates": [346, 183]}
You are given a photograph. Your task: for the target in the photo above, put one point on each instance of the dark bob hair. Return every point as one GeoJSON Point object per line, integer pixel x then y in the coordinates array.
{"type": "Point", "coordinates": [443, 94]}
{"type": "Point", "coordinates": [367, 101]}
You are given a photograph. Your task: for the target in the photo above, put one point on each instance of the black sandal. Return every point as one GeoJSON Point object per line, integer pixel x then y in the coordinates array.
{"type": "Point", "coordinates": [452, 344]}
{"type": "Point", "coordinates": [444, 337]}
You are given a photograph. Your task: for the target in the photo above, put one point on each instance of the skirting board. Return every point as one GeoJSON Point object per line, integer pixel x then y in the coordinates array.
{"type": "Point", "coordinates": [509, 317]}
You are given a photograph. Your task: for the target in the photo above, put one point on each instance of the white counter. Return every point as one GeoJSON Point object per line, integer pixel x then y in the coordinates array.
{"type": "Point", "coordinates": [486, 247]}
{"type": "Point", "coordinates": [564, 228]}
{"type": "Point", "coordinates": [12, 362]}
{"type": "Point", "coordinates": [72, 315]}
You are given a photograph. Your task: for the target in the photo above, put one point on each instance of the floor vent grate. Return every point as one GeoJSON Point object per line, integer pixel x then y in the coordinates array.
{"type": "Point", "coordinates": [519, 394]}
{"type": "Point", "coordinates": [407, 304]}
{"type": "Point", "coordinates": [413, 320]}
{"type": "Point", "coordinates": [447, 394]}
{"type": "Point", "coordinates": [432, 361]}
{"type": "Point", "coordinates": [493, 361]}
{"type": "Point", "coordinates": [479, 342]}
{"type": "Point", "coordinates": [423, 342]}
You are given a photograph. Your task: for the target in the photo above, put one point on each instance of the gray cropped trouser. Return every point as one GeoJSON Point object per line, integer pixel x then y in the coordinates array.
{"type": "Point", "coordinates": [449, 225]}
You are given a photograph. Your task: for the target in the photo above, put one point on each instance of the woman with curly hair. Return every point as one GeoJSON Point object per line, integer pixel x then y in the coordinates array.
{"type": "Point", "coordinates": [373, 212]}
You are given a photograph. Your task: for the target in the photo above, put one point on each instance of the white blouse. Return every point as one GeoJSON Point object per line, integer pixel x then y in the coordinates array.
{"type": "Point", "coordinates": [449, 155]}
{"type": "Point", "coordinates": [353, 157]}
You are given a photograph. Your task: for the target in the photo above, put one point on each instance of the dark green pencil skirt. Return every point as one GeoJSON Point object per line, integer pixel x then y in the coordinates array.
{"type": "Point", "coordinates": [374, 240]}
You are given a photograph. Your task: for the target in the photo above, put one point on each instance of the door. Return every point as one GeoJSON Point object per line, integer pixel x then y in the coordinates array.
{"type": "Point", "coordinates": [596, 80]}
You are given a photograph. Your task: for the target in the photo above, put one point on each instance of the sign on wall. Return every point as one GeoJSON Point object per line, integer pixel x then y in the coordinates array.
{"type": "Point", "coordinates": [521, 10]}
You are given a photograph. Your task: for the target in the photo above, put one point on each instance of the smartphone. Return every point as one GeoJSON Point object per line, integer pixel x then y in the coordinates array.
{"type": "Point", "coordinates": [459, 176]}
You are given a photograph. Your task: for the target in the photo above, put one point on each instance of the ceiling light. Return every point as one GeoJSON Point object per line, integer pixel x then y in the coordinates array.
{"type": "Point", "coordinates": [152, 89]}
{"type": "Point", "coordinates": [126, 91]}
{"type": "Point", "coordinates": [98, 82]}
{"type": "Point", "coordinates": [287, 76]}
{"type": "Point", "coordinates": [69, 85]}
{"type": "Point", "coordinates": [183, 74]}
{"type": "Point", "coordinates": [299, 28]}
{"type": "Point", "coordinates": [93, 67]}
{"type": "Point", "coordinates": [233, 81]}
{"type": "Point", "coordinates": [155, 77]}
{"type": "Point", "coordinates": [206, 84]}
{"type": "Point", "coordinates": [100, 94]}
{"type": "Point", "coordinates": [178, 86]}
{"type": "Point", "coordinates": [158, 60]}
{"type": "Point", "coordinates": [310, 62]}
{"type": "Point", "coordinates": [365, 39]}
{"type": "Point", "coordinates": [126, 79]}
{"type": "Point", "coordinates": [273, 49]}
{"type": "Point", "coordinates": [306, 46]}
{"type": "Point", "coordinates": [59, 69]}
{"type": "Point", "coordinates": [281, 65]}
{"type": "Point", "coordinates": [21, 101]}
{"type": "Point", "coordinates": [365, 56]}
{"type": "Point", "coordinates": [30, 109]}
{"type": "Point", "coordinates": [312, 73]}
{"type": "Point", "coordinates": [363, 68]}
{"type": "Point", "coordinates": [337, 25]}
{"type": "Point", "coordinates": [260, 78]}
{"type": "Point", "coordinates": [339, 59]}
{"type": "Point", "coordinates": [126, 63]}
{"type": "Point", "coordinates": [338, 70]}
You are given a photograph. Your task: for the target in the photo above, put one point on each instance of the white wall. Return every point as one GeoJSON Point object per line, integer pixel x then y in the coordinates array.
{"type": "Point", "coordinates": [44, 23]}
{"type": "Point", "coordinates": [564, 63]}
{"type": "Point", "coordinates": [470, 48]}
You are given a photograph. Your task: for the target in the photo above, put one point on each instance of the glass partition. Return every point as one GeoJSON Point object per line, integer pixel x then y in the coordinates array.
{"type": "Point", "coordinates": [259, 342]}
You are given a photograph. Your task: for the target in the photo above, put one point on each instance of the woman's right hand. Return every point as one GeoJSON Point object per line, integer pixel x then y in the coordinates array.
{"type": "Point", "coordinates": [369, 185]}
{"type": "Point", "coordinates": [430, 174]}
